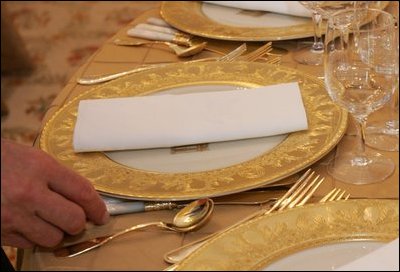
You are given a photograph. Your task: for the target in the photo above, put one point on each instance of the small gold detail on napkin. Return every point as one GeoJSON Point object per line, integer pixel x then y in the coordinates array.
{"type": "Point", "coordinates": [189, 148]}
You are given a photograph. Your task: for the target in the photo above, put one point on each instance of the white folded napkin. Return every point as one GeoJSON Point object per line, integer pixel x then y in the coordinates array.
{"type": "Point", "coordinates": [385, 258]}
{"type": "Point", "coordinates": [168, 120]}
{"type": "Point", "coordinates": [284, 7]}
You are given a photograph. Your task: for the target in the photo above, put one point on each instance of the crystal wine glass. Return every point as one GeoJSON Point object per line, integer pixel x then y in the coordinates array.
{"type": "Point", "coordinates": [360, 76]}
{"type": "Point", "coordinates": [383, 133]}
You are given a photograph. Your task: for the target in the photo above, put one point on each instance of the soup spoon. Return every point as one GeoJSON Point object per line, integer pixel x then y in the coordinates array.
{"type": "Point", "coordinates": [189, 218]}
{"type": "Point", "coordinates": [180, 51]}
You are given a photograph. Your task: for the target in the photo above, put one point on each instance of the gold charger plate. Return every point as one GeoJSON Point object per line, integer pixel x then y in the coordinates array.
{"type": "Point", "coordinates": [190, 17]}
{"type": "Point", "coordinates": [327, 124]}
{"type": "Point", "coordinates": [259, 243]}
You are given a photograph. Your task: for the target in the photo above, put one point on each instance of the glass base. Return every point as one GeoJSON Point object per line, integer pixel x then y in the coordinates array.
{"type": "Point", "coordinates": [383, 135]}
{"type": "Point", "coordinates": [307, 56]}
{"type": "Point", "coordinates": [361, 170]}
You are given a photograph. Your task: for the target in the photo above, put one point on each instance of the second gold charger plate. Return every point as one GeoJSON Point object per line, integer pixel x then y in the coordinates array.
{"type": "Point", "coordinates": [226, 23]}
{"type": "Point", "coordinates": [208, 170]}
{"type": "Point", "coordinates": [323, 236]}
{"type": "Point", "coordinates": [233, 24]}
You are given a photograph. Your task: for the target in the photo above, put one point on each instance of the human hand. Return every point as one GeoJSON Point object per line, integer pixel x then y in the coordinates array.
{"type": "Point", "coordinates": [41, 199]}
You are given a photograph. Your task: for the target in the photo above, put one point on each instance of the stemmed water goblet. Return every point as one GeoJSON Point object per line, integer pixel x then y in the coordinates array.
{"type": "Point", "coordinates": [313, 55]}
{"type": "Point", "coordinates": [360, 76]}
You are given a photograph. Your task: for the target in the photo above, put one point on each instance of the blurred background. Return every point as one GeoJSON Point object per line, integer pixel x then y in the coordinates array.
{"type": "Point", "coordinates": [42, 44]}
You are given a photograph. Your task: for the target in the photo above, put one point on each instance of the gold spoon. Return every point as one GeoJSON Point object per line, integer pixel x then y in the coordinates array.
{"type": "Point", "coordinates": [180, 51]}
{"type": "Point", "coordinates": [191, 217]}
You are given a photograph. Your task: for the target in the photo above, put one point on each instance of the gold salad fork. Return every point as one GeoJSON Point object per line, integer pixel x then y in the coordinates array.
{"type": "Point", "coordinates": [90, 80]}
{"type": "Point", "coordinates": [298, 195]}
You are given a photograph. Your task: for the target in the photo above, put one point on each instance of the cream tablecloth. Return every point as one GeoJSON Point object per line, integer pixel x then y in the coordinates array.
{"type": "Point", "coordinates": [144, 250]}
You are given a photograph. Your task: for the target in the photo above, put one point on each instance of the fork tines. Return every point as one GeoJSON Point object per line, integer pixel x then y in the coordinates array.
{"type": "Point", "coordinates": [259, 52]}
{"type": "Point", "coordinates": [234, 54]}
{"type": "Point", "coordinates": [335, 194]}
{"type": "Point", "coordinates": [299, 193]}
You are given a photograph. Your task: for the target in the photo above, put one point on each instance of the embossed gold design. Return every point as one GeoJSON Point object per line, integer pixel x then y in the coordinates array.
{"type": "Point", "coordinates": [258, 243]}
{"type": "Point", "coordinates": [327, 123]}
{"type": "Point", "coordinates": [188, 16]}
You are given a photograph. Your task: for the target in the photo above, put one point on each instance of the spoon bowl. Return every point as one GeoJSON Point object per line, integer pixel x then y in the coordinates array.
{"type": "Point", "coordinates": [180, 51]}
{"type": "Point", "coordinates": [191, 217]}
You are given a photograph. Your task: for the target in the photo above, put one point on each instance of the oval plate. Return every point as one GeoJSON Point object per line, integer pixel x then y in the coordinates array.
{"type": "Point", "coordinates": [327, 124]}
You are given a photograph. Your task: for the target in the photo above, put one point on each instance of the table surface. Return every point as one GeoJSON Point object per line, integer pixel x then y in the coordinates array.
{"type": "Point", "coordinates": [144, 250]}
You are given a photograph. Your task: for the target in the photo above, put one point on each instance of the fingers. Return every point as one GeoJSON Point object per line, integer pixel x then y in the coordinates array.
{"type": "Point", "coordinates": [40, 232]}
{"type": "Point", "coordinates": [79, 190]}
{"type": "Point", "coordinates": [16, 240]}
{"type": "Point", "coordinates": [61, 212]}
{"type": "Point", "coordinates": [25, 229]}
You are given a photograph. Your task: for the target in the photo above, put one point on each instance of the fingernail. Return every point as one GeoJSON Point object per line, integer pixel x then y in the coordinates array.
{"type": "Point", "coordinates": [105, 218]}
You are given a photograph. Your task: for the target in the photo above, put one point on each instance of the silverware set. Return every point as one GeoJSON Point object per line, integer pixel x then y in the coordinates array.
{"type": "Point", "coordinates": [195, 214]}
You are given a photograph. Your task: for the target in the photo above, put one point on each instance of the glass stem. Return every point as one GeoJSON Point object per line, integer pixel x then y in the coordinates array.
{"type": "Point", "coordinates": [362, 122]}
{"type": "Point", "coordinates": [362, 133]}
{"type": "Point", "coordinates": [318, 45]}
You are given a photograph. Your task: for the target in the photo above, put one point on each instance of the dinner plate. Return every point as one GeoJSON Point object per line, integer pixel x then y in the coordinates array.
{"type": "Point", "coordinates": [228, 23]}
{"type": "Point", "coordinates": [207, 170]}
{"type": "Point", "coordinates": [321, 236]}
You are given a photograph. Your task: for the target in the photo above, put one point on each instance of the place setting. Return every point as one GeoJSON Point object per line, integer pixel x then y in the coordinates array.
{"type": "Point", "coordinates": [174, 148]}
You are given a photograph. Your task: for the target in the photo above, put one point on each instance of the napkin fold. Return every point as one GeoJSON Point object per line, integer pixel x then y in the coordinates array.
{"type": "Point", "coordinates": [284, 7]}
{"type": "Point", "coordinates": [168, 120]}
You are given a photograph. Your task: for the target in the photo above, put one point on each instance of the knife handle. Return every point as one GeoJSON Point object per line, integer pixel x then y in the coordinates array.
{"type": "Point", "coordinates": [151, 35]}
{"type": "Point", "coordinates": [125, 207]}
{"type": "Point", "coordinates": [121, 206]}
{"type": "Point", "coordinates": [157, 28]}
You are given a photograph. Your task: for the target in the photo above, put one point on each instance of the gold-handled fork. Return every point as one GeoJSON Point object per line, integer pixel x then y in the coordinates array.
{"type": "Point", "coordinates": [90, 80]}
{"type": "Point", "coordinates": [256, 54]}
{"type": "Point", "coordinates": [263, 53]}
{"type": "Point", "coordinates": [298, 195]}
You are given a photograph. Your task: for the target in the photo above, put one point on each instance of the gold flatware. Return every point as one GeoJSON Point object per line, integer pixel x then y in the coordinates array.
{"type": "Point", "coordinates": [90, 80]}
{"type": "Point", "coordinates": [188, 219]}
{"type": "Point", "coordinates": [297, 195]}
{"type": "Point", "coordinates": [259, 52]}
{"type": "Point", "coordinates": [157, 31]}
{"type": "Point", "coordinates": [180, 51]}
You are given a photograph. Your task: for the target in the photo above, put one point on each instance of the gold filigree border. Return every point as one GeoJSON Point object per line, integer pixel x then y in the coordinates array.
{"type": "Point", "coordinates": [255, 244]}
{"type": "Point", "coordinates": [327, 123]}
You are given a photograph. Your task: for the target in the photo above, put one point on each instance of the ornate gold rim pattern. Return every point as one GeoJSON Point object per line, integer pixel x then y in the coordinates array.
{"type": "Point", "coordinates": [188, 16]}
{"type": "Point", "coordinates": [255, 244]}
{"type": "Point", "coordinates": [327, 124]}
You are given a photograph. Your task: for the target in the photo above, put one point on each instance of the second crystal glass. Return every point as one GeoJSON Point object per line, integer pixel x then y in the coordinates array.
{"type": "Point", "coordinates": [360, 76]}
